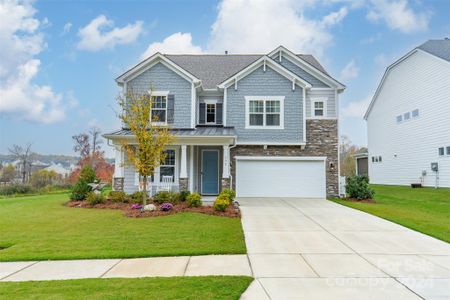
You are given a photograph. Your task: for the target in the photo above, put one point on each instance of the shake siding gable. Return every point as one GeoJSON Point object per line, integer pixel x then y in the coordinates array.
{"type": "Point", "coordinates": [268, 83]}
{"type": "Point", "coordinates": [301, 73]}
{"type": "Point", "coordinates": [161, 78]}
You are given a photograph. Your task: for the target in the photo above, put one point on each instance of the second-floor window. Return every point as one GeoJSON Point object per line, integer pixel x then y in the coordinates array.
{"type": "Point", "coordinates": [159, 109]}
{"type": "Point", "coordinates": [318, 107]}
{"type": "Point", "coordinates": [264, 112]}
{"type": "Point", "coordinates": [210, 113]}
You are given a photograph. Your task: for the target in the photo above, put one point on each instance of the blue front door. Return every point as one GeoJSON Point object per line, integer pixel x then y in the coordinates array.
{"type": "Point", "coordinates": [210, 172]}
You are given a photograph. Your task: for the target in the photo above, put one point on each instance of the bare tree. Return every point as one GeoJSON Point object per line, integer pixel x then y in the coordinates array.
{"type": "Point", "coordinates": [96, 139]}
{"type": "Point", "coordinates": [23, 154]}
{"type": "Point", "coordinates": [82, 144]}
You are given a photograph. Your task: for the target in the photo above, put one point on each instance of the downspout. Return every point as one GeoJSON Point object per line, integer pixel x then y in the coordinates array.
{"type": "Point", "coordinates": [229, 149]}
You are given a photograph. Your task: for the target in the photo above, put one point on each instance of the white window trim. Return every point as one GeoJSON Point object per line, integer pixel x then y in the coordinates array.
{"type": "Point", "coordinates": [156, 94]}
{"type": "Point", "coordinates": [210, 101]}
{"type": "Point", "coordinates": [156, 175]}
{"type": "Point", "coordinates": [325, 113]}
{"type": "Point", "coordinates": [263, 98]}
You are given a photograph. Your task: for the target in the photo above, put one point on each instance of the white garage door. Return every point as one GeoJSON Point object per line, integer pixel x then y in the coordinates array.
{"type": "Point", "coordinates": [280, 177]}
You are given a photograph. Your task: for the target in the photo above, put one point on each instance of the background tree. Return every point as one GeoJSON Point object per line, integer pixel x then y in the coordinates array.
{"type": "Point", "coordinates": [23, 154]}
{"type": "Point", "coordinates": [102, 168]}
{"type": "Point", "coordinates": [82, 144]}
{"type": "Point", "coordinates": [150, 137]}
{"type": "Point", "coordinates": [347, 156]}
{"type": "Point", "coordinates": [8, 173]}
{"type": "Point", "coordinates": [43, 178]}
{"type": "Point", "coordinates": [96, 140]}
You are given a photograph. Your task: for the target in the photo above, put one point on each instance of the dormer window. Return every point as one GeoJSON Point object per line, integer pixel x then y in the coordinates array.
{"type": "Point", "coordinates": [210, 112]}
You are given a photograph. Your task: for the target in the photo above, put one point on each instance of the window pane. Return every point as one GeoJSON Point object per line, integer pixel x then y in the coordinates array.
{"type": "Point", "coordinates": [415, 113]}
{"type": "Point", "coordinates": [170, 158]}
{"type": "Point", "coordinates": [406, 116]}
{"type": "Point", "coordinates": [448, 150]}
{"type": "Point", "coordinates": [210, 113]}
{"type": "Point", "coordinates": [167, 171]}
{"type": "Point", "coordinates": [256, 119]}
{"type": "Point", "coordinates": [441, 151]}
{"type": "Point", "coordinates": [399, 118]}
{"type": "Point", "coordinates": [256, 106]}
{"type": "Point", "coordinates": [318, 104]}
{"type": "Point", "coordinates": [272, 106]}
{"type": "Point", "coordinates": [159, 102]}
{"type": "Point", "coordinates": [273, 120]}
{"type": "Point", "coordinates": [318, 112]}
{"type": "Point", "coordinates": [158, 115]}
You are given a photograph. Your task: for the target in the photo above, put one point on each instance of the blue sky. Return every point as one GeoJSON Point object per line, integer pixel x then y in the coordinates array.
{"type": "Point", "coordinates": [60, 58]}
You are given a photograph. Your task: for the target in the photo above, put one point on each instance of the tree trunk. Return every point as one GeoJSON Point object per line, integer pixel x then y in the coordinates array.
{"type": "Point", "coordinates": [144, 196]}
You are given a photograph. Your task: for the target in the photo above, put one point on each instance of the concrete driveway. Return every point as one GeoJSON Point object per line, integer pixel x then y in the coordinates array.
{"type": "Point", "coordinates": [317, 249]}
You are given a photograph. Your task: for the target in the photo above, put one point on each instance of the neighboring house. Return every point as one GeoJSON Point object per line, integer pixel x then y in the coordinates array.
{"type": "Point", "coordinates": [408, 119]}
{"type": "Point", "coordinates": [362, 164]}
{"type": "Point", "coordinates": [59, 169]}
{"type": "Point", "coordinates": [265, 125]}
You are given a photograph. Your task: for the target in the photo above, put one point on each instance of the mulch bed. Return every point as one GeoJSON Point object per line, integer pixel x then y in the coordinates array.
{"type": "Point", "coordinates": [370, 201]}
{"type": "Point", "coordinates": [230, 212]}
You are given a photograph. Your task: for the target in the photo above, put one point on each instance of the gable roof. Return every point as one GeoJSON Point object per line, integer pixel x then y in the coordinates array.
{"type": "Point", "coordinates": [438, 48]}
{"type": "Point", "coordinates": [210, 69]}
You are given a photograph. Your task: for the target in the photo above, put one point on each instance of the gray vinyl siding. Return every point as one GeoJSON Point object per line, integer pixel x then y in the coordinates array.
{"type": "Point", "coordinates": [161, 78]}
{"type": "Point", "coordinates": [268, 83]}
{"type": "Point", "coordinates": [331, 101]}
{"type": "Point", "coordinates": [301, 73]}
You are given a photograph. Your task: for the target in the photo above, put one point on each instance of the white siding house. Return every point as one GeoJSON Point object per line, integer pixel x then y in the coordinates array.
{"type": "Point", "coordinates": [408, 119]}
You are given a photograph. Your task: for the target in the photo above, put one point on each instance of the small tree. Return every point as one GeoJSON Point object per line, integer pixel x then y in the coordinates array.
{"type": "Point", "coordinates": [81, 188]}
{"type": "Point", "coordinates": [150, 137]}
{"type": "Point", "coordinates": [8, 173]}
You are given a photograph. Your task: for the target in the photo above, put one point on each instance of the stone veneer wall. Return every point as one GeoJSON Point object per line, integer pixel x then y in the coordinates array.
{"type": "Point", "coordinates": [322, 140]}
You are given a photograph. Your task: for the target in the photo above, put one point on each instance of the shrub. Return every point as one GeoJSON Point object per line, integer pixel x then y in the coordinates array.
{"type": "Point", "coordinates": [194, 200]}
{"type": "Point", "coordinates": [357, 187]}
{"type": "Point", "coordinates": [183, 195]}
{"type": "Point", "coordinates": [221, 203]}
{"type": "Point", "coordinates": [118, 196]}
{"type": "Point", "coordinates": [229, 193]}
{"type": "Point", "coordinates": [136, 197]}
{"type": "Point", "coordinates": [80, 191]}
{"type": "Point", "coordinates": [94, 198]}
{"type": "Point", "coordinates": [17, 188]}
{"type": "Point", "coordinates": [166, 206]}
{"type": "Point", "coordinates": [164, 196]}
{"type": "Point", "coordinates": [81, 188]}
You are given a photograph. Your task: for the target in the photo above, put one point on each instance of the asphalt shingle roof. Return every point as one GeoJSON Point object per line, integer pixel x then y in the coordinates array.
{"type": "Point", "coordinates": [213, 69]}
{"type": "Point", "coordinates": [439, 48]}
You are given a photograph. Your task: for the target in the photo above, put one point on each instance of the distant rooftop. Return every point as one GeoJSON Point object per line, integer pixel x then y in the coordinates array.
{"type": "Point", "coordinates": [439, 48]}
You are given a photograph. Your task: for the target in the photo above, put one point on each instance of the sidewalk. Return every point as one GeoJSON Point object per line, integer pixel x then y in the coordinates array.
{"type": "Point", "coordinates": [126, 268]}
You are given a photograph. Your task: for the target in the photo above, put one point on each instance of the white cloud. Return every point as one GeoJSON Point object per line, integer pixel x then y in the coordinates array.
{"type": "Point", "coordinates": [21, 41]}
{"type": "Point", "coordinates": [398, 15]}
{"type": "Point", "coordinates": [254, 26]}
{"type": "Point", "coordinates": [335, 17]}
{"type": "Point", "coordinates": [350, 71]}
{"type": "Point", "coordinates": [176, 43]}
{"type": "Point", "coordinates": [95, 36]}
{"type": "Point", "coordinates": [67, 27]}
{"type": "Point", "coordinates": [356, 109]}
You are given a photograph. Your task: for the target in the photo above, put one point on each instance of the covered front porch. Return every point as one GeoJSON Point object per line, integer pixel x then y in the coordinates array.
{"type": "Point", "coordinates": [198, 161]}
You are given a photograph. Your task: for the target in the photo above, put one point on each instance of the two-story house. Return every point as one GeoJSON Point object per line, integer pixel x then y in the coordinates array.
{"type": "Point", "coordinates": [408, 120]}
{"type": "Point", "coordinates": [265, 125]}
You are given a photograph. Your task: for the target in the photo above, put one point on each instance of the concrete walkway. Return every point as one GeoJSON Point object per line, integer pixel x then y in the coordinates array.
{"type": "Point", "coordinates": [316, 249]}
{"type": "Point", "coordinates": [126, 268]}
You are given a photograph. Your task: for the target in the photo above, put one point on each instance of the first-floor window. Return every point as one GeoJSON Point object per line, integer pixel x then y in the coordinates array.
{"type": "Point", "coordinates": [167, 167]}
{"type": "Point", "coordinates": [265, 112]}
{"type": "Point", "coordinates": [159, 109]}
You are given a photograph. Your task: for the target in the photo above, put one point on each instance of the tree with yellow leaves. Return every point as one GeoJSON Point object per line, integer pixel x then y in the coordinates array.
{"type": "Point", "coordinates": [146, 151]}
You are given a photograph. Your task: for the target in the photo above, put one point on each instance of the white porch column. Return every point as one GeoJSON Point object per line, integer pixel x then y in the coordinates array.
{"type": "Point", "coordinates": [118, 162]}
{"type": "Point", "coordinates": [226, 162]}
{"type": "Point", "coordinates": [183, 165]}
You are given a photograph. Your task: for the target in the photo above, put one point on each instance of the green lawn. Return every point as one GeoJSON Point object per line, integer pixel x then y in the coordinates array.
{"type": "Point", "coordinates": [426, 210]}
{"type": "Point", "coordinates": [41, 228]}
{"type": "Point", "coordinates": [227, 287]}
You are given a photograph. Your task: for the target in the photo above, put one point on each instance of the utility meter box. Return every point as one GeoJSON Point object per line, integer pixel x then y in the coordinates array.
{"type": "Point", "coordinates": [434, 167]}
